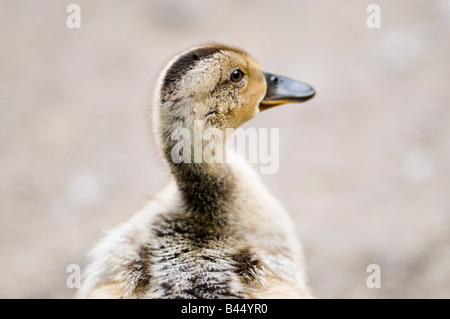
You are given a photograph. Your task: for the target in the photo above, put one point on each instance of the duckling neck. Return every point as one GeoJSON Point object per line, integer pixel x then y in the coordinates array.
{"type": "Point", "coordinates": [206, 188]}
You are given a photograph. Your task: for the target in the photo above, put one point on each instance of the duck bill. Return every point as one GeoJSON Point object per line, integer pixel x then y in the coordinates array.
{"type": "Point", "coordinates": [281, 90]}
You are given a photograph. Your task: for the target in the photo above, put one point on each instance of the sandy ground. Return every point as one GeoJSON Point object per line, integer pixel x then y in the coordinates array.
{"type": "Point", "coordinates": [364, 166]}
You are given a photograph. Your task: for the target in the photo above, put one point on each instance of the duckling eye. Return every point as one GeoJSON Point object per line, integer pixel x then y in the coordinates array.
{"type": "Point", "coordinates": [236, 75]}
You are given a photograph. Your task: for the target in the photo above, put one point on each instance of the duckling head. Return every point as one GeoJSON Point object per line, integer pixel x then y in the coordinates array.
{"type": "Point", "coordinates": [220, 86]}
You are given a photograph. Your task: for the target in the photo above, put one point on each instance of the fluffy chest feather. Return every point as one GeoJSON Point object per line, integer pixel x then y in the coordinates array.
{"type": "Point", "coordinates": [183, 262]}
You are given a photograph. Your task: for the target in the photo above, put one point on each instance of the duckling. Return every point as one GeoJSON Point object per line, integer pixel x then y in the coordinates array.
{"type": "Point", "coordinates": [214, 231]}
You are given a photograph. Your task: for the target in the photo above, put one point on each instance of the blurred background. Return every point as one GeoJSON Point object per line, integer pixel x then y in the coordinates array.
{"type": "Point", "coordinates": [364, 166]}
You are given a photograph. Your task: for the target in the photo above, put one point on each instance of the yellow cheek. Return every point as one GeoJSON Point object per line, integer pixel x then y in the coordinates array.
{"type": "Point", "coordinates": [249, 100]}
{"type": "Point", "coordinates": [255, 91]}
{"type": "Point", "coordinates": [247, 110]}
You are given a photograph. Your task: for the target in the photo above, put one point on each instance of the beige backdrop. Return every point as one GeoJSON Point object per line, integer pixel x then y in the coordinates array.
{"type": "Point", "coordinates": [364, 166]}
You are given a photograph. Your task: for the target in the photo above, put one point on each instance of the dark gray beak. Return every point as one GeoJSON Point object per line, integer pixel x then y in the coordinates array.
{"type": "Point", "coordinates": [281, 90]}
